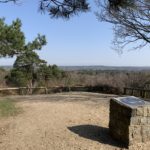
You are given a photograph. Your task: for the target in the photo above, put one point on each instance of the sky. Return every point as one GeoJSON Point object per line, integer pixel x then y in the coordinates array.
{"type": "Point", "coordinates": [82, 40]}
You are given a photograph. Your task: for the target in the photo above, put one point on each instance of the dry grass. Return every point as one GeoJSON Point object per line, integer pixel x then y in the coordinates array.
{"type": "Point", "coordinates": [8, 108]}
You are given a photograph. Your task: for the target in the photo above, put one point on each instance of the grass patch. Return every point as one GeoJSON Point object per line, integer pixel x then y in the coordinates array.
{"type": "Point", "coordinates": [8, 108]}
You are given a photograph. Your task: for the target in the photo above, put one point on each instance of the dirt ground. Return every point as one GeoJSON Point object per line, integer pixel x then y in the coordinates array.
{"type": "Point", "coordinates": [64, 121]}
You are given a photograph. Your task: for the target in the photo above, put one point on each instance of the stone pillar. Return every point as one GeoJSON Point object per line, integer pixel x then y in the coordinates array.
{"type": "Point", "coordinates": [129, 124]}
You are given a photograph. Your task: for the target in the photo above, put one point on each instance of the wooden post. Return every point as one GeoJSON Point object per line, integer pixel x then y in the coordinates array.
{"type": "Point", "coordinates": [141, 93]}
{"type": "Point", "coordinates": [20, 91]}
{"type": "Point", "coordinates": [144, 94]}
{"type": "Point", "coordinates": [131, 91]}
{"type": "Point", "coordinates": [125, 90]}
{"type": "Point", "coordinates": [46, 90]}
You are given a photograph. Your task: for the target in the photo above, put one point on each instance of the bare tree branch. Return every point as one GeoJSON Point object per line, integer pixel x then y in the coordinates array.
{"type": "Point", "coordinates": [131, 20]}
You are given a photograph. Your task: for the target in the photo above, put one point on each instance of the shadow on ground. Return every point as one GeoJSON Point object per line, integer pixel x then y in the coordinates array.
{"type": "Point", "coordinates": [96, 133]}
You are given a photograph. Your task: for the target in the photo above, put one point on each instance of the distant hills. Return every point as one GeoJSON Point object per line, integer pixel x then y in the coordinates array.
{"type": "Point", "coordinates": [79, 68]}
{"type": "Point", "coordinates": [119, 68]}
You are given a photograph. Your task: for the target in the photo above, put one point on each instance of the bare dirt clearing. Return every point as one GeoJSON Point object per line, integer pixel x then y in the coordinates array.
{"type": "Point", "coordinates": [64, 121]}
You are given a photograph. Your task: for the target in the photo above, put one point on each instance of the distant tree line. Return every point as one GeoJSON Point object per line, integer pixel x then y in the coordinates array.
{"type": "Point", "coordinates": [106, 81]}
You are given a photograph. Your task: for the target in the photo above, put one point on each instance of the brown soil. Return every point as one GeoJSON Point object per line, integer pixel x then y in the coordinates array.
{"type": "Point", "coordinates": [64, 121]}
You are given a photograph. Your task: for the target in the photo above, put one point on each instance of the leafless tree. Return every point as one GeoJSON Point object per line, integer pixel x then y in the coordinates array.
{"type": "Point", "coordinates": [131, 20]}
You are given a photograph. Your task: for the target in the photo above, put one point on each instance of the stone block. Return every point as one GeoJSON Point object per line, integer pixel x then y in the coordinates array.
{"type": "Point", "coordinates": [145, 111]}
{"type": "Point", "coordinates": [145, 132]}
{"type": "Point", "coordinates": [143, 121]}
{"type": "Point", "coordinates": [135, 121]}
{"type": "Point", "coordinates": [140, 111]}
{"type": "Point", "coordinates": [133, 112]}
{"type": "Point", "coordinates": [148, 111]}
{"type": "Point", "coordinates": [129, 123]}
{"type": "Point", "coordinates": [138, 120]}
{"type": "Point", "coordinates": [135, 134]}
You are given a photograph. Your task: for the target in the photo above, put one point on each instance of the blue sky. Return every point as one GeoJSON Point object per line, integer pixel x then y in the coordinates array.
{"type": "Point", "coordinates": [82, 40]}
